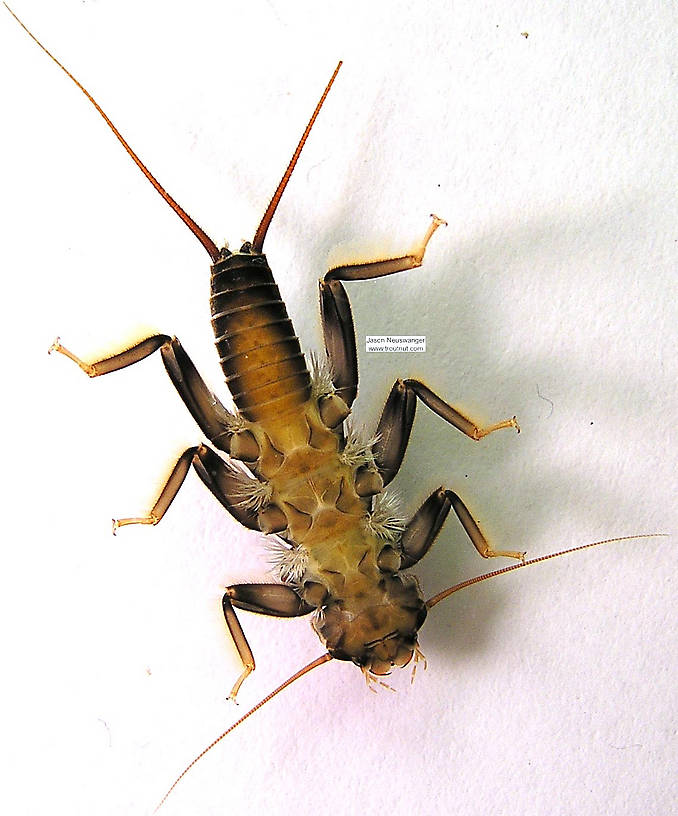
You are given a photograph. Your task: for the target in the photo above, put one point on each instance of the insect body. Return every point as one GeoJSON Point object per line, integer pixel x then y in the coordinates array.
{"type": "Point", "coordinates": [307, 479]}
{"type": "Point", "coordinates": [293, 468]}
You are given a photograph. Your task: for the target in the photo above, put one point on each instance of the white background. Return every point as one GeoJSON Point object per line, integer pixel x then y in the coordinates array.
{"type": "Point", "coordinates": [551, 295]}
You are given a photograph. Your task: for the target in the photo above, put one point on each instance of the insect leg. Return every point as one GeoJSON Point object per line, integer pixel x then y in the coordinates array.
{"type": "Point", "coordinates": [385, 266]}
{"type": "Point", "coordinates": [139, 351]}
{"type": "Point", "coordinates": [267, 599]}
{"type": "Point", "coordinates": [339, 335]}
{"type": "Point", "coordinates": [279, 600]}
{"type": "Point", "coordinates": [214, 420]}
{"type": "Point", "coordinates": [230, 485]}
{"type": "Point", "coordinates": [234, 490]}
{"type": "Point", "coordinates": [167, 494]}
{"type": "Point", "coordinates": [338, 329]}
{"type": "Point", "coordinates": [395, 424]}
{"type": "Point", "coordinates": [425, 525]}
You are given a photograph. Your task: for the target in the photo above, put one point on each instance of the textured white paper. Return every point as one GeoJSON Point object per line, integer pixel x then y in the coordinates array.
{"type": "Point", "coordinates": [545, 134]}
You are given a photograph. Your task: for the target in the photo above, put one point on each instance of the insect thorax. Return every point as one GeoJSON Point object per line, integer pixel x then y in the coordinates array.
{"type": "Point", "coordinates": [338, 549]}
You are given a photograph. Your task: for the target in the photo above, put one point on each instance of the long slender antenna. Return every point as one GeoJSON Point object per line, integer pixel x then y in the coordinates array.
{"type": "Point", "coordinates": [447, 592]}
{"type": "Point", "coordinates": [204, 239]}
{"type": "Point", "coordinates": [258, 242]}
{"type": "Point", "coordinates": [317, 662]}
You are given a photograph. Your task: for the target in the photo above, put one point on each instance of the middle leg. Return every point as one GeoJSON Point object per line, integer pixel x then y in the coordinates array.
{"type": "Point", "coordinates": [397, 418]}
{"type": "Point", "coordinates": [239, 493]}
{"type": "Point", "coordinates": [425, 525]}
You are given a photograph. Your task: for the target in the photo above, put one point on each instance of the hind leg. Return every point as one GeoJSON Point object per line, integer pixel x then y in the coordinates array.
{"type": "Point", "coordinates": [338, 329]}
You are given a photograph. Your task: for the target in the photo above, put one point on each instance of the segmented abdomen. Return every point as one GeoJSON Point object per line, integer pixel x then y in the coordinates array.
{"type": "Point", "coordinates": [258, 350]}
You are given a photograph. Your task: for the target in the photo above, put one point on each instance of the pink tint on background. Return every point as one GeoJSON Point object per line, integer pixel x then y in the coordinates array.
{"type": "Point", "coordinates": [551, 295]}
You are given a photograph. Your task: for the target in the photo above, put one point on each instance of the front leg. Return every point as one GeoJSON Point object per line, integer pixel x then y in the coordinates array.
{"type": "Point", "coordinates": [266, 599]}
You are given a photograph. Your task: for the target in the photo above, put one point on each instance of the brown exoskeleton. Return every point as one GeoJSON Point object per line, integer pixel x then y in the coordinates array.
{"type": "Point", "coordinates": [305, 478]}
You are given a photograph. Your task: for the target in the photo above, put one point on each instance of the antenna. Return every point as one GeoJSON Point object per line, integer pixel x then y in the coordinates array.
{"type": "Point", "coordinates": [317, 662]}
{"type": "Point", "coordinates": [447, 592]}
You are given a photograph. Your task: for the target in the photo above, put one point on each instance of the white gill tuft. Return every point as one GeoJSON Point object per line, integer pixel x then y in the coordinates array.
{"type": "Point", "coordinates": [357, 450]}
{"type": "Point", "coordinates": [321, 375]}
{"type": "Point", "coordinates": [288, 563]}
{"type": "Point", "coordinates": [385, 519]}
